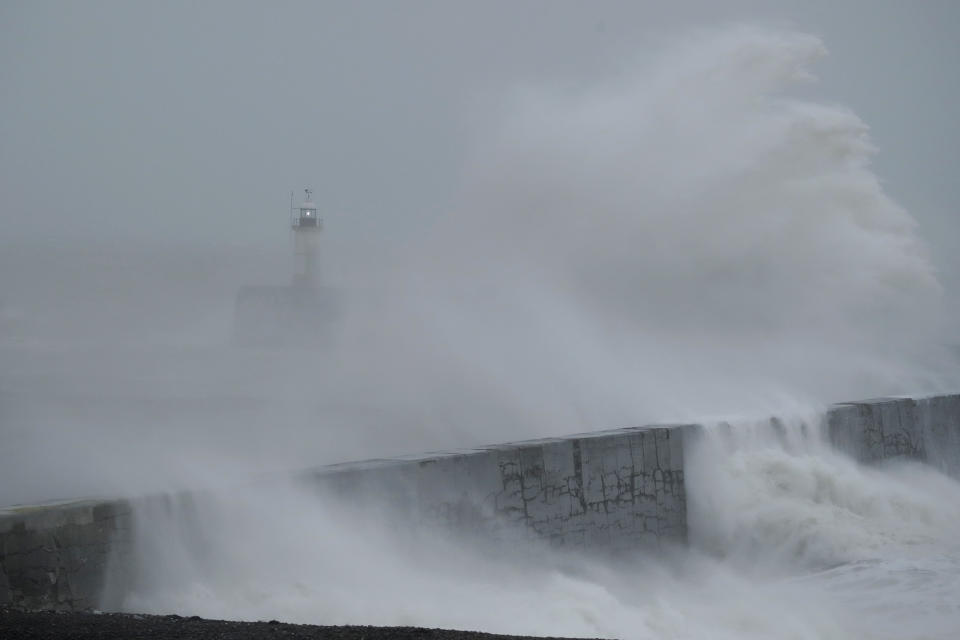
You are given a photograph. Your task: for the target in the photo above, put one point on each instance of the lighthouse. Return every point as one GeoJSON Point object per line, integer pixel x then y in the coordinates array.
{"type": "Point", "coordinates": [297, 314]}
{"type": "Point", "coordinates": [306, 226]}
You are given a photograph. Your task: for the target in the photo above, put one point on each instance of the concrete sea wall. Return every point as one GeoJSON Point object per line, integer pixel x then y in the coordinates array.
{"type": "Point", "coordinates": [58, 556]}
{"type": "Point", "coordinates": [611, 490]}
{"type": "Point", "coordinates": [926, 429]}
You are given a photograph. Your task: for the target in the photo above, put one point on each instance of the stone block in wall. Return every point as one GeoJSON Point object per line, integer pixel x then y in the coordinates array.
{"type": "Point", "coordinates": [938, 420]}
{"type": "Point", "coordinates": [58, 556]}
{"type": "Point", "coordinates": [925, 429]}
{"type": "Point", "coordinates": [875, 430]}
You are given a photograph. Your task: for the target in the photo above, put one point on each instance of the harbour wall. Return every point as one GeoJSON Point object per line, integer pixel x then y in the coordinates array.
{"type": "Point", "coordinates": [603, 491]}
{"type": "Point", "coordinates": [611, 489]}
{"type": "Point", "coordinates": [60, 555]}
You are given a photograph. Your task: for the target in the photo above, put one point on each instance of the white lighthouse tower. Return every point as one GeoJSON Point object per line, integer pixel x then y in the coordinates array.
{"type": "Point", "coordinates": [306, 226]}
{"type": "Point", "coordinates": [295, 314]}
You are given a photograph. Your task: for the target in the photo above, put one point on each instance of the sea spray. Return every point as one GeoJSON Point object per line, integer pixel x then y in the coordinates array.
{"type": "Point", "coordinates": [775, 493]}
{"type": "Point", "coordinates": [686, 237]}
{"type": "Point", "coordinates": [788, 539]}
{"type": "Point", "coordinates": [682, 240]}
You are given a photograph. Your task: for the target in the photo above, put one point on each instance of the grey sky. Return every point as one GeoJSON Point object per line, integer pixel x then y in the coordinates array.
{"type": "Point", "coordinates": [189, 122]}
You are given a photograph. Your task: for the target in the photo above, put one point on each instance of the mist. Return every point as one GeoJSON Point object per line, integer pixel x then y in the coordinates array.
{"type": "Point", "coordinates": [612, 218]}
{"type": "Point", "coordinates": [677, 240]}
{"type": "Point", "coordinates": [789, 540]}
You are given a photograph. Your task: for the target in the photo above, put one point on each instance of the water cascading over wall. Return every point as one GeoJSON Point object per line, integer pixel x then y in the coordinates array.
{"type": "Point", "coordinates": [604, 491]}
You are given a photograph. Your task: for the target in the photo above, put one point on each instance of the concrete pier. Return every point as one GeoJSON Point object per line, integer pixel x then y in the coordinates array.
{"type": "Point", "coordinates": [58, 555]}
{"type": "Point", "coordinates": [926, 429]}
{"type": "Point", "coordinates": [610, 490]}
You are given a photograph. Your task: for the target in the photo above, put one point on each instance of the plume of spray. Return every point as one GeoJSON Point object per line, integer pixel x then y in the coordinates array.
{"type": "Point", "coordinates": [789, 540]}
{"type": "Point", "coordinates": [680, 240]}
{"type": "Point", "coordinates": [676, 241]}
{"type": "Point", "coordinates": [685, 239]}
{"type": "Point", "coordinates": [772, 499]}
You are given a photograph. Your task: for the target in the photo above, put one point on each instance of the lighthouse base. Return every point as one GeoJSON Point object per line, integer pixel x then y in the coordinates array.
{"type": "Point", "coordinates": [284, 315]}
